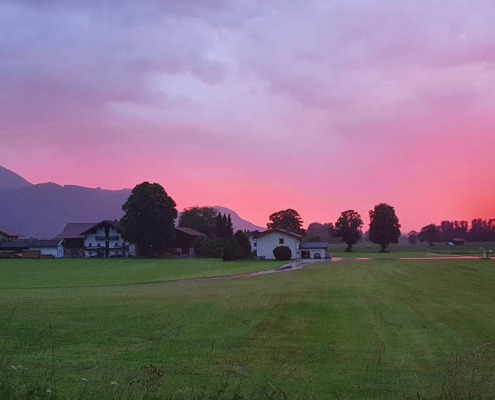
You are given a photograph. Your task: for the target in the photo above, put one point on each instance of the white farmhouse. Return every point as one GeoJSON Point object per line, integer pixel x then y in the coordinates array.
{"type": "Point", "coordinates": [263, 243]}
{"type": "Point", "coordinates": [104, 239]}
{"type": "Point", "coordinates": [101, 239]}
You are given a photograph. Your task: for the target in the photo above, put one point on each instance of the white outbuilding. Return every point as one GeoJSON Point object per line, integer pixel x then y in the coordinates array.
{"type": "Point", "coordinates": [316, 250]}
{"type": "Point", "coordinates": [48, 248]}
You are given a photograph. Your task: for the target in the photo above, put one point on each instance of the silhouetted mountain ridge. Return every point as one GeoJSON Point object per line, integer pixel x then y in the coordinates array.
{"type": "Point", "coordinates": [10, 180]}
{"type": "Point", "coordinates": [237, 221]}
{"type": "Point", "coordinates": [43, 210]}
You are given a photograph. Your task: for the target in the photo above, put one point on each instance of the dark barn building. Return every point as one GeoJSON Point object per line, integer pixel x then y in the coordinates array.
{"type": "Point", "coordinates": [74, 242]}
{"type": "Point", "coordinates": [184, 238]}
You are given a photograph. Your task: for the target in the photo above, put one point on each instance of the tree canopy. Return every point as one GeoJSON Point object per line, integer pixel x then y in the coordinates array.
{"type": "Point", "coordinates": [289, 220]}
{"type": "Point", "coordinates": [223, 226]}
{"type": "Point", "coordinates": [324, 232]}
{"type": "Point", "coordinates": [413, 237]}
{"type": "Point", "coordinates": [236, 247]}
{"type": "Point", "coordinates": [384, 226]}
{"type": "Point", "coordinates": [429, 233]}
{"type": "Point", "coordinates": [348, 227]}
{"type": "Point", "coordinates": [201, 219]}
{"type": "Point", "coordinates": [148, 221]}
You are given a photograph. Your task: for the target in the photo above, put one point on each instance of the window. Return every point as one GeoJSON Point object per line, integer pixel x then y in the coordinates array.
{"type": "Point", "coordinates": [91, 245]}
{"type": "Point", "coordinates": [281, 241]}
{"type": "Point", "coordinates": [254, 244]}
{"type": "Point", "coordinates": [98, 244]}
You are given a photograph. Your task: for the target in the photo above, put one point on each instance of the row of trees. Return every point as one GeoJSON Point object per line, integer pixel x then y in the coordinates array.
{"type": "Point", "coordinates": [149, 215]}
{"type": "Point", "coordinates": [480, 230]}
{"type": "Point", "coordinates": [220, 240]}
{"type": "Point", "coordinates": [149, 222]}
{"type": "Point", "coordinates": [384, 226]}
{"type": "Point", "coordinates": [208, 221]}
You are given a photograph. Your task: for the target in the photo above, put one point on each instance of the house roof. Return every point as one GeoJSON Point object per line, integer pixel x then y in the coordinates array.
{"type": "Point", "coordinates": [282, 231]}
{"type": "Point", "coordinates": [313, 245]}
{"type": "Point", "coordinates": [26, 243]}
{"type": "Point", "coordinates": [23, 244]}
{"type": "Point", "coordinates": [18, 244]}
{"type": "Point", "coordinates": [189, 231]}
{"type": "Point", "coordinates": [8, 232]}
{"type": "Point", "coordinates": [254, 234]}
{"type": "Point", "coordinates": [73, 230]}
{"type": "Point", "coordinates": [45, 243]}
{"type": "Point", "coordinates": [106, 222]}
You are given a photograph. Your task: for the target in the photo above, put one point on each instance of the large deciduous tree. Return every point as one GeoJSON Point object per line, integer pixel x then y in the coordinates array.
{"type": "Point", "coordinates": [348, 227]}
{"type": "Point", "coordinates": [324, 232]}
{"type": "Point", "coordinates": [384, 226]}
{"type": "Point", "coordinates": [429, 233]}
{"type": "Point", "coordinates": [148, 221]}
{"type": "Point", "coordinates": [413, 237]}
{"type": "Point", "coordinates": [289, 220]}
{"type": "Point", "coordinates": [201, 219]}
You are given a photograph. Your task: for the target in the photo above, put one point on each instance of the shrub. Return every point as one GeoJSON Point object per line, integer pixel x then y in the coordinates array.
{"type": "Point", "coordinates": [205, 247]}
{"type": "Point", "coordinates": [282, 253]}
{"type": "Point", "coordinates": [243, 242]}
{"type": "Point", "coordinates": [231, 250]}
{"type": "Point", "coordinates": [237, 247]}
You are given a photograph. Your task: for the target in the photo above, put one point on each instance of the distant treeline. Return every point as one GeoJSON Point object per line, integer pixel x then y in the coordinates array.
{"type": "Point", "coordinates": [480, 230]}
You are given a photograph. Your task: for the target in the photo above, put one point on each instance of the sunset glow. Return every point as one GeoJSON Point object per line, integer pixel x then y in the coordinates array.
{"type": "Point", "coordinates": [320, 106]}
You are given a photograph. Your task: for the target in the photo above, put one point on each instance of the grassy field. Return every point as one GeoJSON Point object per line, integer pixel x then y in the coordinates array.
{"type": "Point", "coordinates": [371, 250]}
{"type": "Point", "coordinates": [18, 274]}
{"type": "Point", "coordinates": [375, 329]}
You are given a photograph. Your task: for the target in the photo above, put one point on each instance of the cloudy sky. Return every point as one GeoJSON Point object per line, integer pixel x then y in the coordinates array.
{"type": "Point", "coordinates": [257, 105]}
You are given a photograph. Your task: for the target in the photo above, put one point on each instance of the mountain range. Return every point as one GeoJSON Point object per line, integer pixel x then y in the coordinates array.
{"type": "Point", "coordinates": [43, 210]}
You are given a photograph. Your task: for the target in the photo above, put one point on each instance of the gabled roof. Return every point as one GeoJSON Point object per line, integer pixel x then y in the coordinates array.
{"type": "Point", "coordinates": [282, 231]}
{"type": "Point", "coordinates": [73, 230]}
{"type": "Point", "coordinates": [189, 231]}
{"type": "Point", "coordinates": [105, 222]}
{"type": "Point", "coordinates": [313, 245]}
{"type": "Point", "coordinates": [8, 232]}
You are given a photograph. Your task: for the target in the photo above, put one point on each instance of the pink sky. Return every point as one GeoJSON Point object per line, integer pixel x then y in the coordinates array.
{"type": "Point", "coordinates": [320, 106]}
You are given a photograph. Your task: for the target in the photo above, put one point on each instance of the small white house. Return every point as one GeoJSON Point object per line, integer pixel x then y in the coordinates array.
{"type": "Point", "coordinates": [263, 243]}
{"type": "Point", "coordinates": [313, 249]}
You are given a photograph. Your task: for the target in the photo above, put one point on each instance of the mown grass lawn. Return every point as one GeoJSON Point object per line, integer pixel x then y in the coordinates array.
{"type": "Point", "coordinates": [376, 329]}
{"type": "Point", "coordinates": [371, 250]}
{"type": "Point", "coordinates": [31, 273]}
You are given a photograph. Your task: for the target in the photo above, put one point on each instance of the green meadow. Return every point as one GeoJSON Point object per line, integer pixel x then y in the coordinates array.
{"type": "Point", "coordinates": [353, 329]}
{"type": "Point", "coordinates": [368, 249]}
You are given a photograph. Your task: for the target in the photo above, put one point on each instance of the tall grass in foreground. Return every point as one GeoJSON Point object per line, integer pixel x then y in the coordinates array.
{"type": "Point", "coordinates": [21, 383]}
{"type": "Point", "coordinates": [466, 376]}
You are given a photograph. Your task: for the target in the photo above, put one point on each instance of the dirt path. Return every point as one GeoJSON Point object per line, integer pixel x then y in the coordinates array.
{"type": "Point", "coordinates": [284, 268]}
